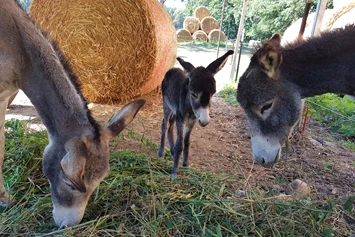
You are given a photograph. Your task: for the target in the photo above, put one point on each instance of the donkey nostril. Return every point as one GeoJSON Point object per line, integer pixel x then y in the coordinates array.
{"type": "Point", "coordinates": [262, 161]}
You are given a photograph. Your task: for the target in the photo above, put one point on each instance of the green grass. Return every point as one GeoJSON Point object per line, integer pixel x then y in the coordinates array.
{"type": "Point", "coordinates": [229, 94]}
{"type": "Point", "coordinates": [139, 198]}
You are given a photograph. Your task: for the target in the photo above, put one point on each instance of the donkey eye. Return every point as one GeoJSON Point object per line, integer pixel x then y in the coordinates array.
{"type": "Point", "coordinates": [194, 95]}
{"type": "Point", "coordinates": [266, 107]}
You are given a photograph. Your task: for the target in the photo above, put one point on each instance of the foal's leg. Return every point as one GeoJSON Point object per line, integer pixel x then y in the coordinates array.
{"type": "Point", "coordinates": [167, 114]}
{"type": "Point", "coordinates": [179, 143]}
{"type": "Point", "coordinates": [171, 133]}
{"type": "Point", "coordinates": [187, 131]}
{"type": "Point", "coordinates": [4, 196]}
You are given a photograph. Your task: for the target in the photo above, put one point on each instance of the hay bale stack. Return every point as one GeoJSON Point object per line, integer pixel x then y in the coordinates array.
{"type": "Point", "coordinates": [214, 34]}
{"type": "Point", "coordinates": [200, 36]}
{"type": "Point", "coordinates": [208, 24]}
{"type": "Point", "coordinates": [118, 49]}
{"type": "Point", "coordinates": [201, 12]}
{"type": "Point", "coordinates": [191, 24]}
{"type": "Point", "coordinates": [183, 35]}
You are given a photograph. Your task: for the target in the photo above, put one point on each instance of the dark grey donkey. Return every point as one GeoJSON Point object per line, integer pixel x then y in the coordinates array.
{"type": "Point", "coordinates": [187, 98]}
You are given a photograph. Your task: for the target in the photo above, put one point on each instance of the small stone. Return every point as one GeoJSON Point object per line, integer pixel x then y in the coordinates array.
{"type": "Point", "coordinates": [298, 189]}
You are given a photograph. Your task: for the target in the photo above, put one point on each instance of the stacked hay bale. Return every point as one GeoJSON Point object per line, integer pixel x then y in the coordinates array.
{"type": "Point", "coordinates": [183, 35]}
{"type": "Point", "coordinates": [118, 49]}
{"type": "Point", "coordinates": [201, 26]}
{"type": "Point", "coordinates": [341, 15]}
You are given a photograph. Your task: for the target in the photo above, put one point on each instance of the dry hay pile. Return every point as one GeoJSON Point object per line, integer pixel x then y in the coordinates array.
{"type": "Point", "coordinates": [214, 35]}
{"type": "Point", "coordinates": [191, 24]}
{"type": "Point", "coordinates": [208, 24]}
{"type": "Point", "coordinates": [118, 49]}
{"type": "Point", "coordinates": [201, 12]}
{"type": "Point", "coordinates": [183, 35]}
{"type": "Point", "coordinates": [200, 36]}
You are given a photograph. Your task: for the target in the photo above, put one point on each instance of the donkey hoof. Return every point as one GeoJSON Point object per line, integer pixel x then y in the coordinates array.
{"type": "Point", "coordinates": [4, 200]}
{"type": "Point", "coordinates": [160, 154]}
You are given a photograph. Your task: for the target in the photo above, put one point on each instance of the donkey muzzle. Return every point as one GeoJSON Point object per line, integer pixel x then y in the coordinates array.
{"type": "Point", "coordinates": [266, 150]}
{"type": "Point", "coordinates": [203, 116]}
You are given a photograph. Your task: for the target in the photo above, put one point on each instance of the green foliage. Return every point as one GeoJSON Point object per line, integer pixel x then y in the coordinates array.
{"type": "Point", "coordinates": [178, 17]}
{"type": "Point", "coordinates": [229, 94]}
{"type": "Point", "coordinates": [336, 112]}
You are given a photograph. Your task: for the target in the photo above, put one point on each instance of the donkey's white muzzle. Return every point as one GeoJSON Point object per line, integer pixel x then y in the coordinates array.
{"type": "Point", "coordinates": [266, 150]}
{"type": "Point", "coordinates": [64, 216]}
{"type": "Point", "coordinates": [203, 116]}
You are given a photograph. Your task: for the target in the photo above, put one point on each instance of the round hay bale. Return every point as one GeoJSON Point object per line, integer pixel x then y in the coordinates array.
{"type": "Point", "coordinates": [183, 35]}
{"type": "Point", "coordinates": [209, 23]}
{"type": "Point", "coordinates": [214, 34]}
{"type": "Point", "coordinates": [291, 33]}
{"type": "Point", "coordinates": [118, 49]}
{"type": "Point", "coordinates": [342, 16]}
{"type": "Point", "coordinates": [191, 24]}
{"type": "Point", "coordinates": [201, 12]}
{"type": "Point", "coordinates": [200, 36]}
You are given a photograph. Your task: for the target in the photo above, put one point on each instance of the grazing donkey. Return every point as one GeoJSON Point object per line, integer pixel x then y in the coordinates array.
{"type": "Point", "coordinates": [76, 159]}
{"type": "Point", "coordinates": [186, 98]}
{"type": "Point", "coordinates": [271, 89]}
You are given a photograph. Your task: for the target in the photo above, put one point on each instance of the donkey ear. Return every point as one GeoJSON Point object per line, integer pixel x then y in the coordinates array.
{"type": "Point", "coordinates": [123, 117]}
{"type": "Point", "coordinates": [219, 63]}
{"type": "Point", "coordinates": [188, 67]}
{"type": "Point", "coordinates": [73, 163]}
{"type": "Point", "coordinates": [270, 59]}
{"type": "Point", "coordinates": [276, 40]}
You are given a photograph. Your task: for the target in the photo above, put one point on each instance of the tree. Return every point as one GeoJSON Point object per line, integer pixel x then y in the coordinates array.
{"type": "Point", "coordinates": [25, 4]}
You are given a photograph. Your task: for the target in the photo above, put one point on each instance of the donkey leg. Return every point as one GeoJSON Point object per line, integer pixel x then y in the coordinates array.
{"type": "Point", "coordinates": [187, 131]}
{"type": "Point", "coordinates": [171, 133]}
{"type": "Point", "coordinates": [167, 114]}
{"type": "Point", "coordinates": [4, 196]}
{"type": "Point", "coordinates": [179, 143]}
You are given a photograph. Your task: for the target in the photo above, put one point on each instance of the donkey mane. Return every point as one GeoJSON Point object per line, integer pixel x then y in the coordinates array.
{"type": "Point", "coordinates": [69, 71]}
{"type": "Point", "coordinates": [76, 83]}
{"type": "Point", "coordinates": [322, 48]}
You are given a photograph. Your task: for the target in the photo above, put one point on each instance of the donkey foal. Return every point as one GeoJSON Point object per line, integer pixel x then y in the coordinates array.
{"type": "Point", "coordinates": [186, 98]}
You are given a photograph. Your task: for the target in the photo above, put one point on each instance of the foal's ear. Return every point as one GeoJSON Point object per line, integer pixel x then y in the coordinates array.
{"type": "Point", "coordinates": [188, 67]}
{"type": "Point", "coordinates": [73, 163]}
{"type": "Point", "coordinates": [276, 40]}
{"type": "Point", "coordinates": [270, 57]}
{"type": "Point", "coordinates": [218, 64]}
{"type": "Point", "coordinates": [123, 117]}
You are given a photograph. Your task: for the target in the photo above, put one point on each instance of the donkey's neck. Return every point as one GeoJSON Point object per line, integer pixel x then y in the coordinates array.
{"type": "Point", "coordinates": [322, 65]}
{"type": "Point", "coordinates": [46, 82]}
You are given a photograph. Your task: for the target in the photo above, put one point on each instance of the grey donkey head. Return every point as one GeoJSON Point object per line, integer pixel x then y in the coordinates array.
{"type": "Point", "coordinates": [77, 169]}
{"type": "Point", "coordinates": [202, 85]}
{"type": "Point", "coordinates": [272, 104]}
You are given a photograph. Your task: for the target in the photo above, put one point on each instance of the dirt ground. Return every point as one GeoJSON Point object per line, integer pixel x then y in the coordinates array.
{"type": "Point", "coordinates": [224, 147]}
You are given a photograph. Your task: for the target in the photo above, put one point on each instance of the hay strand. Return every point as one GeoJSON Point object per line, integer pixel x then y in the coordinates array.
{"type": "Point", "coordinates": [214, 34]}
{"type": "Point", "coordinates": [208, 24]}
{"type": "Point", "coordinates": [191, 24]}
{"type": "Point", "coordinates": [118, 49]}
{"type": "Point", "coordinates": [183, 35]}
{"type": "Point", "coordinates": [342, 17]}
{"type": "Point", "coordinates": [201, 12]}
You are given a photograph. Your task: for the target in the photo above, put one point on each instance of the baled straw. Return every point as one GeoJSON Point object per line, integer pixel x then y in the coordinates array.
{"type": "Point", "coordinates": [201, 12]}
{"type": "Point", "coordinates": [183, 35]}
{"type": "Point", "coordinates": [118, 49]}
{"type": "Point", "coordinates": [342, 17]}
{"type": "Point", "coordinates": [200, 36]}
{"type": "Point", "coordinates": [214, 34]}
{"type": "Point", "coordinates": [191, 24]}
{"type": "Point", "coordinates": [209, 23]}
